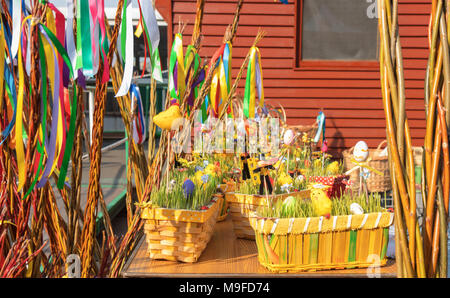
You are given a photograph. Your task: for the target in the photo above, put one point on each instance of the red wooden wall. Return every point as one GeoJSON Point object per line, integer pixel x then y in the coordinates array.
{"type": "Point", "coordinates": [350, 97]}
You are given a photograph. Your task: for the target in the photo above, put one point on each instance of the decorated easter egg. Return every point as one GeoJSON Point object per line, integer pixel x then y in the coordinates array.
{"type": "Point", "coordinates": [188, 188]}
{"type": "Point", "coordinates": [289, 201]}
{"type": "Point", "coordinates": [290, 204]}
{"type": "Point", "coordinates": [361, 151]}
{"type": "Point", "coordinates": [288, 136]}
{"type": "Point", "coordinates": [355, 209]}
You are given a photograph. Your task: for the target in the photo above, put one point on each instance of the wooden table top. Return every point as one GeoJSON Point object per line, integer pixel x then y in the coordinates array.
{"type": "Point", "coordinates": [226, 256]}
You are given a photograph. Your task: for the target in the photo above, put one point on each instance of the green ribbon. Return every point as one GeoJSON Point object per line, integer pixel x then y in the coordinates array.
{"type": "Point", "coordinates": [123, 32]}
{"type": "Point", "coordinates": [73, 108]}
{"type": "Point", "coordinates": [84, 46]}
{"type": "Point", "coordinates": [247, 90]}
{"type": "Point", "coordinates": [40, 146]}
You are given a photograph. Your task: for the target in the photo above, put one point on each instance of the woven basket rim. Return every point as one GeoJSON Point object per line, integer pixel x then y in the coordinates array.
{"type": "Point", "coordinates": [274, 218]}
{"type": "Point", "coordinates": [255, 221]}
{"type": "Point", "coordinates": [149, 205]}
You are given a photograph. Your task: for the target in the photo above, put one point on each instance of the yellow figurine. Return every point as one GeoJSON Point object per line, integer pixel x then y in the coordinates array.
{"type": "Point", "coordinates": [284, 178]}
{"type": "Point", "coordinates": [321, 203]}
{"type": "Point", "coordinates": [170, 118]}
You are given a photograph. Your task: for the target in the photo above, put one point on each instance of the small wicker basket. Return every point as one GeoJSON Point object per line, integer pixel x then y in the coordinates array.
{"type": "Point", "coordinates": [176, 234]}
{"type": "Point", "coordinates": [375, 182]}
{"type": "Point", "coordinates": [317, 243]}
{"type": "Point", "coordinates": [242, 205]}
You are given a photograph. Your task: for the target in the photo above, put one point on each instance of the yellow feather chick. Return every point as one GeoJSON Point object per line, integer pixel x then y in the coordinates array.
{"type": "Point", "coordinates": [333, 168]}
{"type": "Point", "coordinates": [170, 118]}
{"type": "Point", "coordinates": [285, 179]}
{"type": "Point", "coordinates": [321, 203]}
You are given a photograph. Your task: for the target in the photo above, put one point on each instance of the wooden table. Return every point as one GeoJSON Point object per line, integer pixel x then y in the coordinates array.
{"type": "Point", "coordinates": [226, 256]}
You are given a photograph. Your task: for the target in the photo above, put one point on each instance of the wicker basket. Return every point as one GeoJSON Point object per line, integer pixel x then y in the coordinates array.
{"type": "Point", "coordinates": [317, 243]}
{"type": "Point", "coordinates": [178, 235]}
{"type": "Point", "coordinates": [375, 182]}
{"type": "Point", "coordinates": [242, 205]}
{"type": "Point", "coordinates": [224, 209]}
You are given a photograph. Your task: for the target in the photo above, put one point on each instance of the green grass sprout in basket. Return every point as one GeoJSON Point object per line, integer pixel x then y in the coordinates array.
{"type": "Point", "coordinates": [293, 207]}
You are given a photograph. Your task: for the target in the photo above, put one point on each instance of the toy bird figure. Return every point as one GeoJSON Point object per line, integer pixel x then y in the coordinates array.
{"type": "Point", "coordinates": [321, 202]}
{"type": "Point", "coordinates": [170, 118]}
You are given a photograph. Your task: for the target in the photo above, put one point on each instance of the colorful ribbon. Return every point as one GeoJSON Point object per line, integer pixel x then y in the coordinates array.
{"type": "Point", "coordinates": [177, 76]}
{"type": "Point", "coordinates": [321, 129]}
{"type": "Point", "coordinates": [139, 127]}
{"type": "Point", "coordinates": [127, 50]}
{"type": "Point", "coordinates": [151, 36]}
{"type": "Point", "coordinates": [253, 84]}
{"type": "Point", "coordinates": [221, 80]}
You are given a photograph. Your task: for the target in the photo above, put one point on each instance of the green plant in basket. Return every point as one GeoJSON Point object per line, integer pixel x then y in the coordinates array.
{"type": "Point", "coordinates": [183, 193]}
{"type": "Point", "coordinates": [293, 207]}
{"type": "Point", "coordinates": [248, 187]}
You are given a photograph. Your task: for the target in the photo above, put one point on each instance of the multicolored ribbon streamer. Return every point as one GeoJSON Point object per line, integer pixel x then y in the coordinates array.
{"type": "Point", "coordinates": [253, 83]}
{"type": "Point", "coordinates": [177, 76]}
{"type": "Point", "coordinates": [151, 36]}
{"type": "Point", "coordinates": [127, 50]}
{"type": "Point", "coordinates": [139, 127]}
{"type": "Point", "coordinates": [221, 80]}
{"type": "Point", "coordinates": [321, 129]}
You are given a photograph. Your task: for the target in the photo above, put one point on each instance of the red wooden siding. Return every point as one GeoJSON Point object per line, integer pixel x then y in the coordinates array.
{"type": "Point", "coordinates": [350, 97]}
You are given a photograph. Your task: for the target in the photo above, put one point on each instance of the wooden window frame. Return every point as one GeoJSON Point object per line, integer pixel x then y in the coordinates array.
{"type": "Point", "coordinates": [300, 64]}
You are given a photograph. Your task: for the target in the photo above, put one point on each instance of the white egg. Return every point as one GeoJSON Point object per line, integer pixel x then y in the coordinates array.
{"type": "Point", "coordinates": [355, 209]}
{"type": "Point", "coordinates": [288, 136]}
{"type": "Point", "coordinates": [361, 151]}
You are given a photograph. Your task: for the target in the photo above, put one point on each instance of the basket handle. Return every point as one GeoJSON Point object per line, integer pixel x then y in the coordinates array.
{"type": "Point", "coordinates": [350, 151]}
{"type": "Point", "coordinates": [381, 144]}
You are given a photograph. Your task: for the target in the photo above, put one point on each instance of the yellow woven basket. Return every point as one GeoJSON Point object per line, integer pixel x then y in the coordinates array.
{"type": "Point", "coordinates": [224, 210]}
{"type": "Point", "coordinates": [317, 243]}
{"type": "Point", "coordinates": [176, 234]}
{"type": "Point", "coordinates": [242, 205]}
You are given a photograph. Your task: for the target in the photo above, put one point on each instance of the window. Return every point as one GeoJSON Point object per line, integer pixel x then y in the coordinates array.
{"type": "Point", "coordinates": [336, 33]}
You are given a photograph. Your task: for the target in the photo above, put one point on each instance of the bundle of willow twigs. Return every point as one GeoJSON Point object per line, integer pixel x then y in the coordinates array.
{"type": "Point", "coordinates": [418, 249]}
{"type": "Point", "coordinates": [436, 176]}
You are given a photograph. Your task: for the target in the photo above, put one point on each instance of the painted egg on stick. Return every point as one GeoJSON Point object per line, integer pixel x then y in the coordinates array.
{"type": "Point", "coordinates": [288, 137]}
{"type": "Point", "coordinates": [361, 151]}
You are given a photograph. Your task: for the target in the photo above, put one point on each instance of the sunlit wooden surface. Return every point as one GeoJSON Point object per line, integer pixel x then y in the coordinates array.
{"type": "Point", "coordinates": [227, 256]}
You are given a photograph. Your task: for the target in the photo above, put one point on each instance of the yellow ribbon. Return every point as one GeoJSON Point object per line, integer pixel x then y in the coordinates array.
{"type": "Point", "coordinates": [251, 84]}
{"type": "Point", "coordinates": [20, 153]}
{"type": "Point", "coordinates": [49, 54]}
{"type": "Point", "coordinates": [364, 165]}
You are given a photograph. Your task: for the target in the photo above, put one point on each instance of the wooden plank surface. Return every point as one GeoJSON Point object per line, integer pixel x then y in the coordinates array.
{"type": "Point", "coordinates": [226, 256]}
